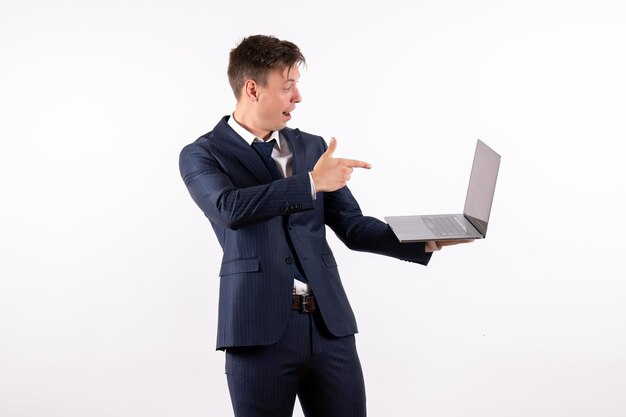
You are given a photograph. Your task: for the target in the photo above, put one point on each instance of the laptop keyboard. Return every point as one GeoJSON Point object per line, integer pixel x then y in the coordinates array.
{"type": "Point", "coordinates": [445, 226]}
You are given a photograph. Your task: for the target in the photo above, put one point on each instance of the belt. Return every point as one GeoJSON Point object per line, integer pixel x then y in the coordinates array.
{"type": "Point", "coordinates": [304, 303]}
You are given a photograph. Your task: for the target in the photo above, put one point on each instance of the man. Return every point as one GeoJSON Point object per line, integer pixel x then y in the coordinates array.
{"type": "Point", "coordinates": [284, 319]}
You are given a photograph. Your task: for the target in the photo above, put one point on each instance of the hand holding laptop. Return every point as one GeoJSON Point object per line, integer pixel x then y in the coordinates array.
{"type": "Point", "coordinates": [435, 245]}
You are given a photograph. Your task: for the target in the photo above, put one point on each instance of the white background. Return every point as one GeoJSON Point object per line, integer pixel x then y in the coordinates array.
{"type": "Point", "coordinates": [108, 294]}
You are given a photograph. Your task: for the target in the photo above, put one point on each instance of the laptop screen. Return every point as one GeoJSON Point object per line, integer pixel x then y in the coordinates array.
{"type": "Point", "coordinates": [482, 186]}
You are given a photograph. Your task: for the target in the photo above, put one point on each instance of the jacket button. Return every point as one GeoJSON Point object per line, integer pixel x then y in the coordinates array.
{"type": "Point", "coordinates": [290, 226]}
{"type": "Point", "coordinates": [289, 259]}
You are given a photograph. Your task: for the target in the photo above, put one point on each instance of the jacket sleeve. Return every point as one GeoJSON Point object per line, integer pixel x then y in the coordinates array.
{"type": "Point", "coordinates": [363, 233]}
{"type": "Point", "coordinates": [234, 207]}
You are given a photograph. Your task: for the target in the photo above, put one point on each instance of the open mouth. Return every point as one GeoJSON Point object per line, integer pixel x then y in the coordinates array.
{"type": "Point", "coordinates": [286, 113]}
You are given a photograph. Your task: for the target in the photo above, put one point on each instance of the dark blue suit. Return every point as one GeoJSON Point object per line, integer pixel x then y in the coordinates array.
{"type": "Point", "coordinates": [264, 225]}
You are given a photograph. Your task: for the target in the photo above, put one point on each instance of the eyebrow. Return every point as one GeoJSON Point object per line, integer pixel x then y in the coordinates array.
{"type": "Point", "coordinates": [286, 82]}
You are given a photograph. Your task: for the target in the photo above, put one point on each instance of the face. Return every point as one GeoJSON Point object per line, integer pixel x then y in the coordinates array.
{"type": "Point", "coordinates": [277, 99]}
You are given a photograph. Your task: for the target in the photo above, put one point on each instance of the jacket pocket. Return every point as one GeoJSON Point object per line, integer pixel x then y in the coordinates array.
{"type": "Point", "coordinates": [239, 265]}
{"type": "Point", "coordinates": [329, 260]}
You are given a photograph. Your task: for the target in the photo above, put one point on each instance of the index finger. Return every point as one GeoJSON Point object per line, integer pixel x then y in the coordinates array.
{"type": "Point", "coordinates": [354, 163]}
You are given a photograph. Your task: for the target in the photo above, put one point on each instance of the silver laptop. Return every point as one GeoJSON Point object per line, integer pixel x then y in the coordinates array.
{"type": "Point", "coordinates": [472, 224]}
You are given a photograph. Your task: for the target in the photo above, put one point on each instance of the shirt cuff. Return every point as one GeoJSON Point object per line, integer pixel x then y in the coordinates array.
{"type": "Point", "coordinates": [313, 192]}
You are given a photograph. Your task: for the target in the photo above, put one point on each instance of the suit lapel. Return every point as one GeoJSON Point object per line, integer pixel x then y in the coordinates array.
{"type": "Point", "coordinates": [296, 146]}
{"type": "Point", "coordinates": [242, 151]}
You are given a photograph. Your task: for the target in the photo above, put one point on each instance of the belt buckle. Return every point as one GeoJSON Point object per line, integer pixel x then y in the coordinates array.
{"type": "Point", "coordinates": [303, 298]}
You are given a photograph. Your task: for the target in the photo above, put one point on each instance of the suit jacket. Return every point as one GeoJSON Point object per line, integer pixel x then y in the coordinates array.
{"type": "Point", "coordinates": [253, 215]}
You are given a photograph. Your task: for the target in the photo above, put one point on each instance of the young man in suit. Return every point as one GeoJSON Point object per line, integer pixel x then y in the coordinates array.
{"type": "Point", "coordinates": [269, 191]}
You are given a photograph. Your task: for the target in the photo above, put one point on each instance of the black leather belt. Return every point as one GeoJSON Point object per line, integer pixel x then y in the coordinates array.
{"type": "Point", "coordinates": [304, 303]}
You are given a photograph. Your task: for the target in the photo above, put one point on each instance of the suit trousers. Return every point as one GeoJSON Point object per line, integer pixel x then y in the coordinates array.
{"type": "Point", "coordinates": [323, 370]}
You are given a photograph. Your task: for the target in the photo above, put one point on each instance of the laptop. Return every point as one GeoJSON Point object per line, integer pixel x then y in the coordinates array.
{"type": "Point", "coordinates": [472, 224]}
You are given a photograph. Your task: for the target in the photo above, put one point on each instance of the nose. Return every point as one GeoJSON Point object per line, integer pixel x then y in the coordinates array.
{"type": "Point", "coordinates": [296, 98]}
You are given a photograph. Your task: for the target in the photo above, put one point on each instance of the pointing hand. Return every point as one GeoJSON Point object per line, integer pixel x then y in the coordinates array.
{"type": "Point", "coordinates": [330, 174]}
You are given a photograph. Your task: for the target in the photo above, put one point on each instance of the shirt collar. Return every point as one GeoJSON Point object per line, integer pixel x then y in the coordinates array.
{"type": "Point", "coordinates": [249, 137]}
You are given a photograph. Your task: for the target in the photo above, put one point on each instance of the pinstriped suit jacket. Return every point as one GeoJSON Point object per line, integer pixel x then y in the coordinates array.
{"type": "Point", "coordinates": [251, 215]}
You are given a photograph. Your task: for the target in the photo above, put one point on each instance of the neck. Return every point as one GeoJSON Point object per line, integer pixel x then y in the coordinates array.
{"type": "Point", "coordinates": [247, 121]}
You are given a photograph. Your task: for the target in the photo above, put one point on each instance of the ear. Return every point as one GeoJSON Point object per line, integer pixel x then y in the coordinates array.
{"type": "Point", "coordinates": [250, 90]}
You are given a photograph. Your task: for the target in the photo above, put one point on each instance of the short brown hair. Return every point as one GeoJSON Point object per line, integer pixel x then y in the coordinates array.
{"type": "Point", "coordinates": [256, 56]}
